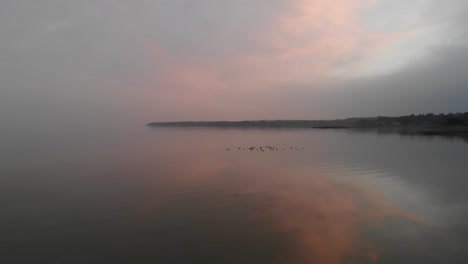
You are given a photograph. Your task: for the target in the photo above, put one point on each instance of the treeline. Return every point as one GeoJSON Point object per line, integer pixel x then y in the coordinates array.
{"type": "Point", "coordinates": [423, 120]}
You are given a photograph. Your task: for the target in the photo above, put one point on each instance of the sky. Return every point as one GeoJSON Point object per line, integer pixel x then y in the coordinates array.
{"type": "Point", "coordinates": [104, 61]}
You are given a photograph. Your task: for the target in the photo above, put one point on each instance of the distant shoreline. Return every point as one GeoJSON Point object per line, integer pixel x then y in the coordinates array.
{"type": "Point", "coordinates": [425, 124]}
{"type": "Point", "coordinates": [404, 130]}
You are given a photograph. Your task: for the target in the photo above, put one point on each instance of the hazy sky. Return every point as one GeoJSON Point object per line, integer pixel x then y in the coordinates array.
{"type": "Point", "coordinates": [149, 60]}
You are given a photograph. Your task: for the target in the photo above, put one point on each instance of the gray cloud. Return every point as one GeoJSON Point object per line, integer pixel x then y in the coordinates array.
{"type": "Point", "coordinates": [434, 84]}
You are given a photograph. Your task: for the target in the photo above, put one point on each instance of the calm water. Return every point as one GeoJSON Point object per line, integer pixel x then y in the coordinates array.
{"type": "Point", "coordinates": [168, 195]}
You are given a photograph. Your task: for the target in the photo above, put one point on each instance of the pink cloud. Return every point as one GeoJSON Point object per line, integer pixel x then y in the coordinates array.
{"type": "Point", "coordinates": [311, 38]}
{"type": "Point", "coordinates": [305, 41]}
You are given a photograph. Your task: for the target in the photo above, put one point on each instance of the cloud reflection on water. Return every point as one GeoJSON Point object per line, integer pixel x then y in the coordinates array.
{"type": "Point", "coordinates": [217, 205]}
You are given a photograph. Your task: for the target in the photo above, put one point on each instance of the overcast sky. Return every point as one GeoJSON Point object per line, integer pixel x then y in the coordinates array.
{"type": "Point", "coordinates": [159, 60]}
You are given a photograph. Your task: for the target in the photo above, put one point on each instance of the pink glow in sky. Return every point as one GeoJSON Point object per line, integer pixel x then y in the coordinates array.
{"type": "Point", "coordinates": [299, 41]}
{"type": "Point", "coordinates": [245, 59]}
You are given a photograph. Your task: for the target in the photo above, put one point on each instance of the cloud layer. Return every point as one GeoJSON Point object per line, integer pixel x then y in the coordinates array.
{"type": "Point", "coordinates": [173, 60]}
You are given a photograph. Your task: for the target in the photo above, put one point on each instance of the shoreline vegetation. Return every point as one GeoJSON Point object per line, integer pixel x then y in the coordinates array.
{"type": "Point", "coordinates": [453, 124]}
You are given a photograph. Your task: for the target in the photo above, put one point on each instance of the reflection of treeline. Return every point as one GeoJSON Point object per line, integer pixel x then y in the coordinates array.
{"type": "Point", "coordinates": [457, 119]}
{"type": "Point", "coordinates": [259, 123]}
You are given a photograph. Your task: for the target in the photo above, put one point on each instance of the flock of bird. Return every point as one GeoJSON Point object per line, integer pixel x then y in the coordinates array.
{"type": "Point", "coordinates": [266, 148]}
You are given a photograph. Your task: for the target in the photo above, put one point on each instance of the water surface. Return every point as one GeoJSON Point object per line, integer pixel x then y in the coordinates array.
{"type": "Point", "coordinates": [178, 195]}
